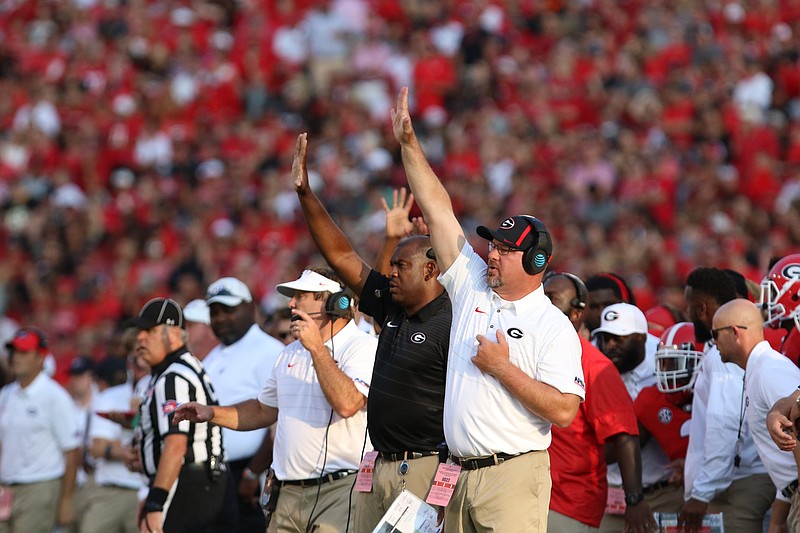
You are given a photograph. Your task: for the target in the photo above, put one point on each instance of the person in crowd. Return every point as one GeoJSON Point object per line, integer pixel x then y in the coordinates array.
{"type": "Point", "coordinates": [278, 324]}
{"type": "Point", "coordinates": [82, 389]}
{"type": "Point", "coordinates": [317, 394]}
{"type": "Point", "coordinates": [114, 499]}
{"type": "Point", "coordinates": [514, 366]}
{"type": "Point", "coordinates": [198, 328]}
{"type": "Point", "coordinates": [39, 442]}
{"type": "Point", "coordinates": [183, 462]}
{"type": "Point", "coordinates": [769, 376]}
{"type": "Point", "coordinates": [605, 419]}
{"type": "Point", "coordinates": [723, 471]}
{"type": "Point", "coordinates": [415, 314]}
{"type": "Point", "coordinates": [239, 366]}
{"type": "Point", "coordinates": [605, 289]}
{"type": "Point", "coordinates": [623, 338]}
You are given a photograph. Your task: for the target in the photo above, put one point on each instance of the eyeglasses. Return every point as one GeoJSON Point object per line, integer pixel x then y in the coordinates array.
{"type": "Point", "coordinates": [502, 250]}
{"type": "Point", "coordinates": [715, 332]}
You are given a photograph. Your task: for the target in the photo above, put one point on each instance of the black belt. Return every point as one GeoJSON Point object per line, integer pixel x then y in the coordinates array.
{"type": "Point", "coordinates": [649, 489]}
{"type": "Point", "coordinates": [405, 456]}
{"type": "Point", "coordinates": [789, 490]}
{"type": "Point", "coordinates": [316, 481]}
{"type": "Point", "coordinates": [474, 463]}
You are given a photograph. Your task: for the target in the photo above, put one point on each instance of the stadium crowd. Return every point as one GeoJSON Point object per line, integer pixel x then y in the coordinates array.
{"type": "Point", "coordinates": [145, 144]}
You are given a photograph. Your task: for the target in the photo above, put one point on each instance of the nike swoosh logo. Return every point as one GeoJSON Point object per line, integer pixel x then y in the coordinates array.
{"type": "Point", "coordinates": [479, 310]}
{"type": "Point", "coordinates": [391, 325]}
{"type": "Point", "coordinates": [290, 365]}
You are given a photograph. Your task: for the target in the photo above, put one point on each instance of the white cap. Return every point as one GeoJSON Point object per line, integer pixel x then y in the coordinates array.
{"type": "Point", "coordinates": [309, 281]}
{"type": "Point", "coordinates": [197, 311]}
{"type": "Point", "coordinates": [622, 320]}
{"type": "Point", "coordinates": [228, 291]}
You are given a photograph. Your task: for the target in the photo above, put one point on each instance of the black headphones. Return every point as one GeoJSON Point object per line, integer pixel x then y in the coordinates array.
{"type": "Point", "coordinates": [339, 303]}
{"type": "Point", "coordinates": [535, 258]}
{"type": "Point", "coordinates": [581, 292]}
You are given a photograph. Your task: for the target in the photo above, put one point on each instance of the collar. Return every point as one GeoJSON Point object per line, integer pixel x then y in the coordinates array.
{"type": "Point", "coordinates": [35, 385]}
{"type": "Point", "coordinates": [243, 339]}
{"type": "Point", "coordinates": [526, 303]}
{"type": "Point", "coordinates": [432, 307]}
{"type": "Point", "coordinates": [342, 335]}
{"type": "Point", "coordinates": [168, 360]}
{"type": "Point", "coordinates": [758, 350]}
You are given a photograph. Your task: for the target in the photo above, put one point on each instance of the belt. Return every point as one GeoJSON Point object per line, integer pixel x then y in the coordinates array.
{"type": "Point", "coordinates": [649, 489]}
{"type": "Point", "coordinates": [474, 463]}
{"type": "Point", "coordinates": [316, 481]}
{"type": "Point", "coordinates": [405, 456]}
{"type": "Point", "coordinates": [789, 490]}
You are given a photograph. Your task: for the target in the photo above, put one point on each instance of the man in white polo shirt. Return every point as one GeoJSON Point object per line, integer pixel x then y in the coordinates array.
{"type": "Point", "coordinates": [514, 366]}
{"type": "Point", "coordinates": [317, 394]}
{"type": "Point", "coordinates": [39, 442]}
{"type": "Point", "coordinates": [238, 367]}
{"type": "Point", "coordinates": [737, 329]}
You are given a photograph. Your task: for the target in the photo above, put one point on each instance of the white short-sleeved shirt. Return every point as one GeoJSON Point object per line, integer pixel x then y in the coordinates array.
{"type": "Point", "coordinates": [770, 376]}
{"type": "Point", "coordinates": [480, 416]}
{"type": "Point", "coordinates": [37, 425]}
{"type": "Point", "coordinates": [654, 460]}
{"type": "Point", "coordinates": [238, 372]}
{"type": "Point", "coordinates": [304, 414]}
{"type": "Point", "coordinates": [114, 472]}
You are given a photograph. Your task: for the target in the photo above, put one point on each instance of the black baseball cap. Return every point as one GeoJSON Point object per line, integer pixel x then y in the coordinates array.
{"type": "Point", "coordinates": [80, 365]}
{"type": "Point", "coordinates": [160, 311]}
{"type": "Point", "coordinates": [520, 232]}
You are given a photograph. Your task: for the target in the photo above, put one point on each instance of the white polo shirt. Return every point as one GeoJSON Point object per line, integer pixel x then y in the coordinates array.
{"type": "Point", "coordinates": [238, 372]}
{"type": "Point", "coordinates": [770, 376]}
{"type": "Point", "coordinates": [114, 472]}
{"type": "Point", "coordinates": [654, 460]}
{"type": "Point", "coordinates": [480, 416]}
{"type": "Point", "coordinates": [37, 425]}
{"type": "Point", "coordinates": [304, 415]}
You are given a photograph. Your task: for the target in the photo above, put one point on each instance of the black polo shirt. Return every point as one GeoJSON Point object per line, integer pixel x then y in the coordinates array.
{"type": "Point", "coordinates": [406, 395]}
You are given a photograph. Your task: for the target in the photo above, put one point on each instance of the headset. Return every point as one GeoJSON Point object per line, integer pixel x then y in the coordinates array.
{"type": "Point", "coordinates": [339, 303]}
{"type": "Point", "coordinates": [581, 292]}
{"type": "Point", "coordinates": [535, 258]}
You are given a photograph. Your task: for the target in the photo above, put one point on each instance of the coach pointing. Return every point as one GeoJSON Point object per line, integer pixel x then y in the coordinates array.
{"type": "Point", "coordinates": [515, 360]}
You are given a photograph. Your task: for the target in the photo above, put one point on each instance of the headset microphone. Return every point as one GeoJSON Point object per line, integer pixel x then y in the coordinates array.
{"type": "Point", "coordinates": [295, 318]}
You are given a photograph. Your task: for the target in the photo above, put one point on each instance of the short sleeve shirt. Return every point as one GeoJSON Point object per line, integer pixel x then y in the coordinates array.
{"type": "Point", "coordinates": [481, 417]}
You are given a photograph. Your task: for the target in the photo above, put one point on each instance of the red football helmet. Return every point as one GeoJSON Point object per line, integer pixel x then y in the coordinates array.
{"type": "Point", "coordinates": [780, 292]}
{"type": "Point", "coordinates": [678, 358]}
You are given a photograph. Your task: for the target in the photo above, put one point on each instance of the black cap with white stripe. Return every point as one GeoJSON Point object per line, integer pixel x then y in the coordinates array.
{"type": "Point", "coordinates": [160, 311]}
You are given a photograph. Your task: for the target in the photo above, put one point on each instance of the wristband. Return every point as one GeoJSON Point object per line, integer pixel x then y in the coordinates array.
{"type": "Point", "coordinates": [249, 474]}
{"type": "Point", "coordinates": [155, 501]}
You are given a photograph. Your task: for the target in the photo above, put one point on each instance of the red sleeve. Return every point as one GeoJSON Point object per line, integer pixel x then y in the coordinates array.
{"type": "Point", "coordinates": [609, 409]}
{"type": "Point", "coordinates": [664, 420]}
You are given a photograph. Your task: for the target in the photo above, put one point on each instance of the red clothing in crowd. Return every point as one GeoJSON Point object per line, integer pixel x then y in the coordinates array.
{"type": "Point", "coordinates": [665, 420]}
{"type": "Point", "coordinates": [577, 454]}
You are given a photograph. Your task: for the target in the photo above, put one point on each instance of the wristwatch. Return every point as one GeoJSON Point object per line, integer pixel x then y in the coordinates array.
{"type": "Point", "coordinates": [633, 498]}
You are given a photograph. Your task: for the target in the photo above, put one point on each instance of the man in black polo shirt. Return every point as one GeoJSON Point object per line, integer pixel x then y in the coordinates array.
{"type": "Point", "coordinates": [404, 412]}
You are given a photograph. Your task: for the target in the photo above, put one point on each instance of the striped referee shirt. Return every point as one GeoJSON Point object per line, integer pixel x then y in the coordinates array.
{"type": "Point", "coordinates": [180, 378]}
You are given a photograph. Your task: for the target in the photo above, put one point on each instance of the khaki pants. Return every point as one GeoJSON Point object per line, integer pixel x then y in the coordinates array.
{"type": "Point", "coordinates": [110, 509]}
{"type": "Point", "coordinates": [387, 483]}
{"type": "Point", "coordinates": [321, 509]}
{"type": "Point", "coordinates": [559, 523]}
{"type": "Point", "coordinates": [744, 503]}
{"type": "Point", "coordinates": [511, 496]}
{"type": "Point", "coordinates": [34, 507]}
{"type": "Point", "coordinates": [667, 499]}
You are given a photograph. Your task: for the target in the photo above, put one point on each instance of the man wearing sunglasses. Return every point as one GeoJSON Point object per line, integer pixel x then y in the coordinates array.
{"type": "Point", "coordinates": [769, 376]}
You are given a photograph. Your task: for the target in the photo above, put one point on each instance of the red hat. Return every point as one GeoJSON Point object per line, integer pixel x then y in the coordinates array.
{"type": "Point", "coordinates": [26, 340]}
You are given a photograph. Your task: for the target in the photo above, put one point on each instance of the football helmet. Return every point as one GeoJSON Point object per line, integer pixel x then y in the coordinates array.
{"type": "Point", "coordinates": [780, 292]}
{"type": "Point", "coordinates": [678, 358]}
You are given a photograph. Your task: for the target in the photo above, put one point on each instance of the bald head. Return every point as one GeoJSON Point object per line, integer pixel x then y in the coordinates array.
{"type": "Point", "coordinates": [737, 326]}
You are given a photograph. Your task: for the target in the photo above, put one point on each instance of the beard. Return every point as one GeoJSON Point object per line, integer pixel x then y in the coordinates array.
{"type": "Point", "coordinates": [494, 281]}
{"type": "Point", "coordinates": [701, 332]}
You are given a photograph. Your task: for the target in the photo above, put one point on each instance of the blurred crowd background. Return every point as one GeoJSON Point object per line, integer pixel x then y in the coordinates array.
{"type": "Point", "coordinates": [145, 145]}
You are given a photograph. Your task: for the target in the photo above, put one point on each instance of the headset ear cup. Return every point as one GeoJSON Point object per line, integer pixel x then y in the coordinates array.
{"type": "Point", "coordinates": [534, 260]}
{"type": "Point", "coordinates": [339, 303]}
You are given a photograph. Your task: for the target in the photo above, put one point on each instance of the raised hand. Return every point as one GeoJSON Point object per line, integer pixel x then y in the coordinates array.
{"type": "Point", "coordinates": [398, 224]}
{"type": "Point", "coordinates": [420, 227]}
{"type": "Point", "coordinates": [299, 168]}
{"type": "Point", "coordinates": [401, 120]}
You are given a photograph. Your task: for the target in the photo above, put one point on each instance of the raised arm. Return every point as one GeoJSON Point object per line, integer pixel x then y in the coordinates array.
{"type": "Point", "coordinates": [447, 236]}
{"type": "Point", "coordinates": [398, 226]}
{"type": "Point", "coordinates": [332, 243]}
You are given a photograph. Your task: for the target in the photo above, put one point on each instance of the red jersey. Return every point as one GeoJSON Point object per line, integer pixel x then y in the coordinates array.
{"type": "Point", "coordinates": [665, 420]}
{"type": "Point", "coordinates": [577, 454]}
